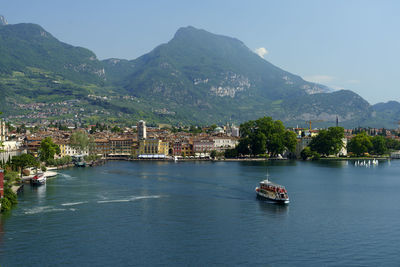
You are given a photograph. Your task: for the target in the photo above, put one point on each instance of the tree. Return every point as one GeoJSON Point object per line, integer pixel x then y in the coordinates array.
{"type": "Point", "coordinates": [48, 149]}
{"type": "Point", "coordinates": [392, 144]}
{"type": "Point", "coordinates": [195, 129]}
{"type": "Point", "coordinates": [213, 154]}
{"type": "Point", "coordinates": [258, 143]}
{"type": "Point", "coordinates": [24, 161]}
{"type": "Point", "coordinates": [231, 153]}
{"type": "Point", "coordinates": [290, 140]}
{"type": "Point", "coordinates": [265, 134]}
{"type": "Point", "coordinates": [10, 127]}
{"type": "Point", "coordinates": [306, 153]}
{"type": "Point", "coordinates": [212, 128]}
{"type": "Point", "coordinates": [243, 147]}
{"type": "Point", "coordinates": [360, 144]}
{"type": "Point", "coordinates": [10, 198]}
{"type": "Point", "coordinates": [21, 129]}
{"type": "Point", "coordinates": [328, 142]}
{"type": "Point", "coordinates": [80, 141]}
{"type": "Point", "coordinates": [379, 145]}
{"type": "Point", "coordinates": [116, 129]}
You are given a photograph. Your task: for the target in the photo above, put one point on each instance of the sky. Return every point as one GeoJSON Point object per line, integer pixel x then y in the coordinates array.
{"type": "Point", "coordinates": [344, 44]}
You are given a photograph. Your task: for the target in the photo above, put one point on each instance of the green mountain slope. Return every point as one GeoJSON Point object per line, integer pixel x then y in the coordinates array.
{"type": "Point", "coordinates": [199, 61]}
{"type": "Point", "coordinates": [29, 45]}
{"type": "Point", "coordinates": [197, 77]}
{"type": "Point", "coordinates": [386, 114]}
{"type": "Point", "coordinates": [211, 77]}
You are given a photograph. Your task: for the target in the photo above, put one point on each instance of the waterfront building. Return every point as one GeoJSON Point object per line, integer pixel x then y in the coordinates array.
{"type": "Point", "coordinates": [202, 148]}
{"type": "Point", "coordinates": [182, 148]}
{"type": "Point", "coordinates": [120, 147]}
{"type": "Point", "coordinates": [223, 143]}
{"type": "Point", "coordinates": [153, 147]}
{"type": "Point", "coordinates": [395, 154]}
{"type": "Point", "coordinates": [141, 130]}
{"type": "Point", "coordinates": [67, 150]}
{"type": "Point", "coordinates": [101, 147]}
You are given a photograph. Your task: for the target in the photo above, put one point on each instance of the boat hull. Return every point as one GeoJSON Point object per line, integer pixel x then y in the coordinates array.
{"type": "Point", "coordinates": [38, 181]}
{"type": "Point", "coordinates": [263, 196]}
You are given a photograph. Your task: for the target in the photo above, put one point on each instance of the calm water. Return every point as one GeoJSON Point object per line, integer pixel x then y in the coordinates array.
{"type": "Point", "coordinates": [204, 213]}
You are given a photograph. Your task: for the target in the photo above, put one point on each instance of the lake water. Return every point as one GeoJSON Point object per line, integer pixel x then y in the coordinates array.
{"type": "Point", "coordinates": [206, 213]}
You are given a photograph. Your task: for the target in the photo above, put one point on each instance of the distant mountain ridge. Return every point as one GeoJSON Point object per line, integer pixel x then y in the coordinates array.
{"type": "Point", "coordinates": [197, 77]}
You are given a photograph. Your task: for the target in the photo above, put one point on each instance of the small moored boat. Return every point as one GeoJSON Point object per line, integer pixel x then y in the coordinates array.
{"type": "Point", "coordinates": [273, 192]}
{"type": "Point", "coordinates": [38, 179]}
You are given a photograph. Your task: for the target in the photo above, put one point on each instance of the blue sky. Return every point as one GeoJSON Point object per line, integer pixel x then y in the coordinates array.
{"type": "Point", "coordinates": [343, 44]}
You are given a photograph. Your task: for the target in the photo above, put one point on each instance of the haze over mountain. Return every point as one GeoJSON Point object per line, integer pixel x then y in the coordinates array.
{"type": "Point", "coordinates": [197, 77]}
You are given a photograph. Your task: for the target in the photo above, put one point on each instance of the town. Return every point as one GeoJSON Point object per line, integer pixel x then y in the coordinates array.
{"type": "Point", "coordinates": [162, 142]}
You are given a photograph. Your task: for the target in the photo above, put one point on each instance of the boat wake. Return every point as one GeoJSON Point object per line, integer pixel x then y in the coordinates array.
{"type": "Point", "coordinates": [134, 198]}
{"type": "Point", "coordinates": [44, 209]}
{"type": "Point", "coordinates": [67, 176]}
{"type": "Point", "coordinates": [74, 203]}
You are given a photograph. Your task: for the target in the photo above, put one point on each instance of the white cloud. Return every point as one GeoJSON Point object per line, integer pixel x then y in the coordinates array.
{"type": "Point", "coordinates": [261, 51]}
{"type": "Point", "coordinates": [319, 78]}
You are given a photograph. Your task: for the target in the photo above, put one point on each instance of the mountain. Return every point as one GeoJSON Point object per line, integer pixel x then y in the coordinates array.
{"type": "Point", "coordinates": [196, 78]}
{"type": "Point", "coordinates": [29, 45]}
{"type": "Point", "coordinates": [218, 66]}
{"type": "Point", "coordinates": [387, 114]}
{"type": "Point", "coordinates": [211, 77]}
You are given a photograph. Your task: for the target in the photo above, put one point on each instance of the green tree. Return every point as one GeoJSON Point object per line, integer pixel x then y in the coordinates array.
{"type": "Point", "coordinates": [258, 143]}
{"type": "Point", "coordinates": [115, 129]}
{"type": "Point", "coordinates": [392, 144]}
{"type": "Point", "coordinates": [378, 145]}
{"type": "Point", "coordinates": [195, 129]}
{"type": "Point", "coordinates": [21, 129]}
{"type": "Point", "coordinates": [243, 147]}
{"type": "Point", "coordinates": [212, 128]}
{"type": "Point", "coordinates": [290, 140]}
{"type": "Point", "coordinates": [265, 134]}
{"type": "Point", "coordinates": [10, 127]}
{"type": "Point", "coordinates": [231, 153]}
{"type": "Point", "coordinates": [360, 144]}
{"type": "Point", "coordinates": [9, 199]}
{"type": "Point", "coordinates": [213, 154]}
{"type": "Point", "coordinates": [80, 141]}
{"type": "Point", "coordinates": [328, 142]}
{"type": "Point", "coordinates": [48, 149]}
{"type": "Point", "coordinates": [306, 153]}
{"type": "Point", "coordinates": [24, 161]}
